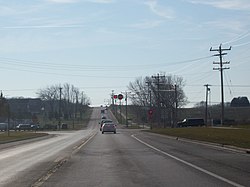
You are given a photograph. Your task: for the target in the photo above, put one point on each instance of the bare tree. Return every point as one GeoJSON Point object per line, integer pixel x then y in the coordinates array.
{"type": "Point", "coordinates": [84, 102]}
{"type": "Point", "coordinates": [165, 94]}
{"type": "Point", "coordinates": [70, 100]}
{"type": "Point", "coordinates": [50, 95]}
{"type": "Point", "coordinates": [140, 92]}
{"type": "Point", "coordinates": [145, 91]}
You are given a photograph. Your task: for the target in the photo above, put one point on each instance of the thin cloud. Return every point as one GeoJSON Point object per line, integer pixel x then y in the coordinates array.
{"type": "Point", "coordinates": [17, 9]}
{"type": "Point", "coordinates": [146, 24]}
{"type": "Point", "coordinates": [75, 1]}
{"type": "Point", "coordinates": [231, 25]}
{"type": "Point", "coordinates": [62, 1]}
{"type": "Point", "coordinates": [101, 1]}
{"type": "Point", "coordinates": [225, 4]}
{"type": "Point", "coordinates": [159, 10]}
{"type": "Point", "coordinates": [41, 26]}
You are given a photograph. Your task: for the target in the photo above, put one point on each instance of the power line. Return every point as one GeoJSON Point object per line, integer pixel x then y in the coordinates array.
{"type": "Point", "coordinates": [242, 44]}
{"type": "Point", "coordinates": [72, 66]}
{"type": "Point", "coordinates": [240, 37]}
{"type": "Point", "coordinates": [215, 85]}
{"type": "Point", "coordinates": [71, 75]}
{"type": "Point", "coordinates": [86, 87]}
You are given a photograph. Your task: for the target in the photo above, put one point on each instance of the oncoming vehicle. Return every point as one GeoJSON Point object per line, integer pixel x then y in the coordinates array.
{"type": "Point", "coordinates": [24, 127]}
{"type": "Point", "coordinates": [109, 127]}
{"type": "Point", "coordinates": [104, 121]}
{"type": "Point", "coordinates": [191, 122]}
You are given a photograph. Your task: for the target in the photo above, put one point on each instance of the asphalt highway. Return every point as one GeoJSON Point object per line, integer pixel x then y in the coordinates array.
{"type": "Point", "coordinates": [128, 158]}
{"type": "Point", "coordinates": [135, 158]}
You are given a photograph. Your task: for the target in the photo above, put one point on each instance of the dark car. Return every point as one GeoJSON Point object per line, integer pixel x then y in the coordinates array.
{"type": "Point", "coordinates": [191, 122]}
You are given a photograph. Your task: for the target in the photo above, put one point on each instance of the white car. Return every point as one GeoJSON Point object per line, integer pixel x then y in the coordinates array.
{"type": "Point", "coordinates": [23, 127]}
{"type": "Point", "coordinates": [109, 127]}
{"type": "Point", "coordinates": [104, 121]}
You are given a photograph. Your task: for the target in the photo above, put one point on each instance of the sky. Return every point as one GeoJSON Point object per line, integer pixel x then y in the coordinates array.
{"type": "Point", "coordinates": [102, 45]}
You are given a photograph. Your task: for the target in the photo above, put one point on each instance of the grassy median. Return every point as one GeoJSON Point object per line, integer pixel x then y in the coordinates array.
{"type": "Point", "coordinates": [17, 136]}
{"type": "Point", "coordinates": [224, 136]}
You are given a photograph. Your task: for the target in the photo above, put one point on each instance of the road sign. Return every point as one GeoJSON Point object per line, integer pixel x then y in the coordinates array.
{"type": "Point", "coordinates": [115, 96]}
{"type": "Point", "coordinates": [120, 96]}
{"type": "Point", "coordinates": [150, 112]}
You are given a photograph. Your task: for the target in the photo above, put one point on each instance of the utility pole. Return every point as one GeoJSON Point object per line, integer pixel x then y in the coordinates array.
{"type": "Point", "coordinates": [176, 105]}
{"type": "Point", "coordinates": [150, 111]}
{"type": "Point", "coordinates": [221, 53]}
{"type": "Point", "coordinates": [206, 110]}
{"type": "Point", "coordinates": [149, 94]}
{"type": "Point", "coordinates": [126, 99]}
{"type": "Point", "coordinates": [76, 109]}
{"type": "Point", "coordinates": [112, 99]}
{"type": "Point", "coordinates": [8, 126]}
{"type": "Point", "coordinates": [158, 96]}
{"type": "Point", "coordinates": [126, 107]}
{"type": "Point", "coordinates": [76, 105]}
{"type": "Point", "coordinates": [60, 108]}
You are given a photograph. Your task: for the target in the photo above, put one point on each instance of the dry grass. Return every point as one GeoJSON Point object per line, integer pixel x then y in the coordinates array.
{"type": "Point", "coordinates": [225, 136]}
{"type": "Point", "coordinates": [17, 136]}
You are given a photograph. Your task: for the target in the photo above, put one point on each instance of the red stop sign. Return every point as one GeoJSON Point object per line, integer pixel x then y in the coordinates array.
{"type": "Point", "coordinates": [120, 96]}
{"type": "Point", "coordinates": [115, 96]}
{"type": "Point", "coordinates": [150, 112]}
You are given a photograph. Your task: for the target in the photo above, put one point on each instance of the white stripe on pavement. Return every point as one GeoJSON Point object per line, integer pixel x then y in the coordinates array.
{"type": "Point", "coordinates": [189, 164]}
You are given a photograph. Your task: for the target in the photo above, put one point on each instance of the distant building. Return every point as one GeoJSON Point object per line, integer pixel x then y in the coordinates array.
{"type": "Point", "coordinates": [25, 105]}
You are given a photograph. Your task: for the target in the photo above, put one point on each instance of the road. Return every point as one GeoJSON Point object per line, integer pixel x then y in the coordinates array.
{"type": "Point", "coordinates": [129, 158]}
{"type": "Point", "coordinates": [22, 164]}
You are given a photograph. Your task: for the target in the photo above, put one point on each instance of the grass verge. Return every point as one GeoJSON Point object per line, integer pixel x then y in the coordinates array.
{"type": "Point", "coordinates": [17, 136]}
{"type": "Point", "coordinates": [224, 136]}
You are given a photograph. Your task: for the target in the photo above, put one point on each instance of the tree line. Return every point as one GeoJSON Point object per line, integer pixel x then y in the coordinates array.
{"type": "Point", "coordinates": [53, 102]}
{"type": "Point", "coordinates": [161, 95]}
{"type": "Point", "coordinates": [63, 101]}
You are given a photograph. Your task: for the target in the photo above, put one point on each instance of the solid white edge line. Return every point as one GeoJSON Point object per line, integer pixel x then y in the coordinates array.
{"type": "Point", "coordinates": [189, 164]}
